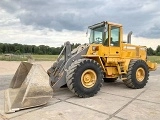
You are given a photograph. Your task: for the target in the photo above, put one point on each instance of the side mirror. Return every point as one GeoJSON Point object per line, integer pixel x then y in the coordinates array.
{"type": "Point", "coordinates": [87, 32]}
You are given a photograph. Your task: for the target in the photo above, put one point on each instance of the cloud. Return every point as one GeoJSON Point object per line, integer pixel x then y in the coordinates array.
{"type": "Point", "coordinates": [153, 32]}
{"type": "Point", "coordinates": [58, 15]}
{"type": "Point", "coordinates": [31, 21]}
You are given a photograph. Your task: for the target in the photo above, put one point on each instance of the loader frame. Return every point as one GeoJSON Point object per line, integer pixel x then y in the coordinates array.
{"type": "Point", "coordinates": [59, 69]}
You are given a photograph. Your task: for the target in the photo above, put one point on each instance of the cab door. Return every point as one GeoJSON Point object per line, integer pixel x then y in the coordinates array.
{"type": "Point", "coordinates": [114, 41]}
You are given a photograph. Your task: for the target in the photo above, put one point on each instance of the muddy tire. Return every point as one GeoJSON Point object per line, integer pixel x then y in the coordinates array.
{"type": "Point", "coordinates": [137, 75]}
{"type": "Point", "coordinates": [84, 77]}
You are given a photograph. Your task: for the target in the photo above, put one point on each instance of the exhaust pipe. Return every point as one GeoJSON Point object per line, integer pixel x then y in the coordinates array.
{"type": "Point", "coordinates": [129, 37]}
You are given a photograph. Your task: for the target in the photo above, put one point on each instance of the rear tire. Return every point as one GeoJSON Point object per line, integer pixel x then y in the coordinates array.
{"type": "Point", "coordinates": [137, 75]}
{"type": "Point", "coordinates": [84, 77]}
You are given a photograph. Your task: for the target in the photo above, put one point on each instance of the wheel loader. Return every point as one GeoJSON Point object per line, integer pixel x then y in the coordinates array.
{"type": "Point", "coordinates": [84, 69]}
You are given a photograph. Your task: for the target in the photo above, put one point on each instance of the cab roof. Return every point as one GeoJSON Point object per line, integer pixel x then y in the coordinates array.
{"type": "Point", "coordinates": [102, 23]}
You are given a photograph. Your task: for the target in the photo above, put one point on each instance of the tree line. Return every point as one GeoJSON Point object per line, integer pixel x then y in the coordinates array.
{"type": "Point", "coordinates": [46, 50]}
{"type": "Point", "coordinates": [152, 52]}
{"type": "Point", "coordinates": [33, 49]}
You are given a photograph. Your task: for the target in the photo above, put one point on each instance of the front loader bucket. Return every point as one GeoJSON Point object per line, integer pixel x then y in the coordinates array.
{"type": "Point", "coordinates": [28, 88]}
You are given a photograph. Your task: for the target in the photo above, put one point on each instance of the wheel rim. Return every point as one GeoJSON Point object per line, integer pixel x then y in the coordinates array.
{"type": "Point", "coordinates": [140, 74]}
{"type": "Point", "coordinates": [88, 78]}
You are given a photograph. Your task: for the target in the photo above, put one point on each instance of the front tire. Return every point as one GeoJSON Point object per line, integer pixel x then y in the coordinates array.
{"type": "Point", "coordinates": [137, 75]}
{"type": "Point", "coordinates": [84, 77]}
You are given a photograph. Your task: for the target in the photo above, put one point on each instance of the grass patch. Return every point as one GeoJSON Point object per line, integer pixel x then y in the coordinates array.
{"type": "Point", "coordinates": [44, 57]}
{"type": "Point", "coordinates": [154, 59]}
{"type": "Point", "coordinates": [11, 57]}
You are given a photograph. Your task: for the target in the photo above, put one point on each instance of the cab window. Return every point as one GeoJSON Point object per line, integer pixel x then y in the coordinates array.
{"type": "Point", "coordinates": [96, 35]}
{"type": "Point", "coordinates": [115, 36]}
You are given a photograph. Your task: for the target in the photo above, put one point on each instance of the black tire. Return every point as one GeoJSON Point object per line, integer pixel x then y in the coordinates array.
{"type": "Point", "coordinates": [132, 80]}
{"type": "Point", "coordinates": [110, 79]}
{"type": "Point", "coordinates": [74, 80]}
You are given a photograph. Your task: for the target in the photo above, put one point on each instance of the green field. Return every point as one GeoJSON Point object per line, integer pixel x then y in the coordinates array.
{"type": "Point", "coordinates": [53, 58]}
{"type": "Point", "coordinates": [154, 59]}
{"type": "Point", "coordinates": [45, 57]}
{"type": "Point", "coordinates": [26, 57]}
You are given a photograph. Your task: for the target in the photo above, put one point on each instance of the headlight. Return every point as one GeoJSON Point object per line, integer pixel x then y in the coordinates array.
{"type": "Point", "coordinates": [95, 48]}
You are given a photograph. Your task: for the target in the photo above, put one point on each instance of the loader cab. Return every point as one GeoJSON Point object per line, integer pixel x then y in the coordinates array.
{"type": "Point", "coordinates": [109, 35]}
{"type": "Point", "coordinates": [97, 34]}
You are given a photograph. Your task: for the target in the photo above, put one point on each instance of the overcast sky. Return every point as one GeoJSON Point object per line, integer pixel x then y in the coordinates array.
{"type": "Point", "coordinates": [52, 22]}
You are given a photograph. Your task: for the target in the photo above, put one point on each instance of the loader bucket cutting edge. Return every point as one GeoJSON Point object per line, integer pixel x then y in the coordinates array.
{"type": "Point", "coordinates": [29, 88]}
